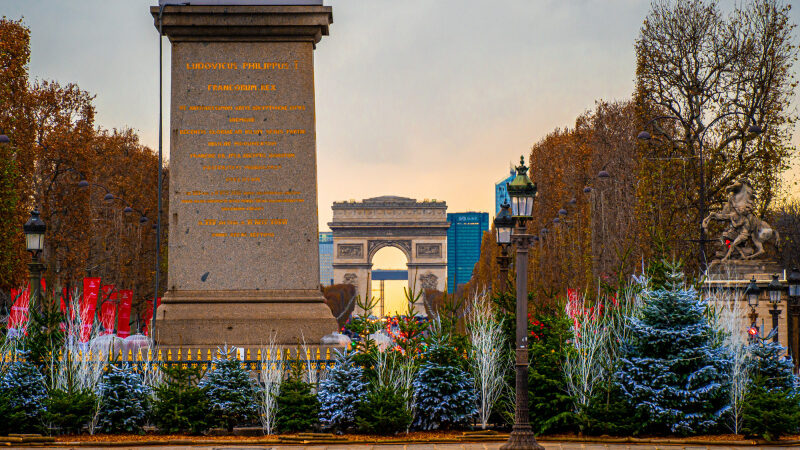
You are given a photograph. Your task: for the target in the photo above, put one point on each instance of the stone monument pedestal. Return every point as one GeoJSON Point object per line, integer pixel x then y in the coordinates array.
{"type": "Point", "coordinates": [243, 236]}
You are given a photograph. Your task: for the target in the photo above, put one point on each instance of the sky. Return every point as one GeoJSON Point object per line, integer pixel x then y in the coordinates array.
{"type": "Point", "coordinates": [417, 98]}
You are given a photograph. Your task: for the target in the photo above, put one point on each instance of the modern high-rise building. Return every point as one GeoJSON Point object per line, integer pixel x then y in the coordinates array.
{"type": "Point", "coordinates": [326, 258]}
{"type": "Point", "coordinates": [464, 245]}
{"type": "Point", "coordinates": [500, 192]}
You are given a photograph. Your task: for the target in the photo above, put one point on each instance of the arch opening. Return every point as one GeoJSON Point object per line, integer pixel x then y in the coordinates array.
{"type": "Point", "coordinates": [389, 291]}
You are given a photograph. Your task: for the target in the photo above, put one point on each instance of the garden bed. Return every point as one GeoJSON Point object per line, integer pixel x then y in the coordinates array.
{"type": "Point", "coordinates": [411, 438]}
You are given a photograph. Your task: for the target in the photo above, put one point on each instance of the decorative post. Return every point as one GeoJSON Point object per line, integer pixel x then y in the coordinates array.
{"type": "Point", "coordinates": [522, 192]}
{"type": "Point", "coordinates": [752, 293]}
{"type": "Point", "coordinates": [793, 280]}
{"type": "Point", "coordinates": [774, 290]}
{"type": "Point", "coordinates": [503, 225]}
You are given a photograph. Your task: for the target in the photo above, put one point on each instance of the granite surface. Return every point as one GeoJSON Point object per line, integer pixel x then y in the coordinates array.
{"type": "Point", "coordinates": [243, 237]}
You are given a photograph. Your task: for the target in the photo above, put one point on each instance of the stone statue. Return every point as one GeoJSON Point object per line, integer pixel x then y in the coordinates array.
{"type": "Point", "coordinates": [743, 225]}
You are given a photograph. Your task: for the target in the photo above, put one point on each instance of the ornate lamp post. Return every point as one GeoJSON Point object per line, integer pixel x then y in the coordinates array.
{"type": "Point", "coordinates": [752, 293]}
{"type": "Point", "coordinates": [793, 280]}
{"type": "Point", "coordinates": [503, 225]}
{"type": "Point", "coordinates": [522, 192]}
{"type": "Point", "coordinates": [34, 230]}
{"type": "Point", "coordinates": [774, 288]}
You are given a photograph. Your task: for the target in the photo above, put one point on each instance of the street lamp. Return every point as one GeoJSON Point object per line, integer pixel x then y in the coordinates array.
{"type": "Point", "coordinates": [503, 225]}
{"type": "Point", "coordinates": [752, 293]}
{"type": "Point", "coordinates": [793, 280]}
{"type": "Point", "coordinates": [774, 288]}
{"type": "Point", "coordinates": [34, 230]}
{"type": "Point", "coordinates": [522, 192]}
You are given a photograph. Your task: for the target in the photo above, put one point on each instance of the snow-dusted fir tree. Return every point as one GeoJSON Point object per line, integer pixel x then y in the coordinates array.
{"type": "Point", "coordinates": [341, 393]}
{"type": "Point", "coordinates": [123, 401]}
{"type": "Point", "coordinates": [443, 390]}
{"type": "Point", "coordinates": [671, 371]}
{"type": "Point", "coordinates": [230, 392]}
{"type": "Point", "coordinates": [771, 368]}
{"type": "Point", "coordinates": [22, 398]}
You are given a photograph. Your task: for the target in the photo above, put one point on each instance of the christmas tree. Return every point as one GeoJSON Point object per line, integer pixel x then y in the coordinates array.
{"type": "Point", "coordinates": [772, 404]}
{"type": "Point", "coordinates": [123, 401]}
{"type": "Point", "coordinates": [340, 394]}
{"type": "Point", "coordinates": [298, 407]}
{"type": "Point", "coordinates": [670, 371]}
{"type": "Point", "coordinates": [181, 405]}
{"type": "Point", "coordinates": [444, 391]}
{"type": "Point", "coordinates": [22, 398]}
{"type": "Point", "coordinates": [230, 392]}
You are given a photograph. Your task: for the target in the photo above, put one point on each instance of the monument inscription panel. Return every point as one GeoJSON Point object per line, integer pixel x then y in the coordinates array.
{"type": "Point", "coordinates": [243, 165]}
{"type": "Point", "coordinates": [243, 241]}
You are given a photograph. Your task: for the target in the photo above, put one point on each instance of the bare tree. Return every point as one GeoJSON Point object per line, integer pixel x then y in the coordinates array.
{"type": "Point", "coordinates": [714, 90]}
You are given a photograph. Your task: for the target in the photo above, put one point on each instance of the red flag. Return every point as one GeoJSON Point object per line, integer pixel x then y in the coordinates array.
{"type": "Point", "coordinates": [91, 287]}
{"type": "Point", "coordinates": [124, 320]}
{"type": "Point", "coordinates": [148, 315]}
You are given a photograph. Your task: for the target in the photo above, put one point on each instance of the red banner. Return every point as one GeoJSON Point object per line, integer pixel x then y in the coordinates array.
{"type": "Point", "coordinates": [147, 315]}
{"type": "Point", "coordinates": [108, 309]}
{"type": "Point", "coordinates": [124, 320]}
{"type": "Point", "coordinates": [19, 311]}
{"type": "Point", "coordinates": [91, 288]}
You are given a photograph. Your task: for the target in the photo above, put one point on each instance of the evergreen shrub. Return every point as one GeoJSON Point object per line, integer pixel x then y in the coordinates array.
{"type": "Point", "coordinates": [23, 397]}
{"type": "Point", "coordinates": [383, 412]}
{"type": "Point", "coordinates": [340, 394]}
{"type": "Point", "coordinates": [230, 392]}
{"type": "Point", "coordinates": [69, 410]}
{"type": "Point", "coordinates": [298, 408]}
{"type": "Point", "coordinates": [181, 405]}
{"type": "Point", "coordinates": [124, 402]}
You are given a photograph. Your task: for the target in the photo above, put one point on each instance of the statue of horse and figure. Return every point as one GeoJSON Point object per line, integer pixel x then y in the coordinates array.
{"type": "Point", "coordinates": [744, 227]}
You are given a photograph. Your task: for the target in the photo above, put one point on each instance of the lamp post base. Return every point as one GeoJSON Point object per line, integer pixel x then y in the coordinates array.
{"type": "Point", "coordinates": [521, 438]}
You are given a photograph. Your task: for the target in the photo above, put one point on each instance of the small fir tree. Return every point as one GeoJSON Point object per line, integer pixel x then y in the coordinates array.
{"type": "Point", "coordinates": [124, 401]}
{"type": "Point", "coordinates": [230, 392]}
{"type": "Point", "coordinates": [772, 404]}
{"type": "Point", "coordinates": [443, 390]}
{"type": "Point", "coordinates": [298, 408]}
{"type": "Point", "coordinates": [670, 371]}
{"type": "Point", "coordinates": [69, 410]}
{"type": "Point", "coordinates": [340, 394]}
{"type": "Point", "coordinates": [181, 405]}
{"type": "Point", "coordinates": [23, 397]}
{"type": "Point", "coordinates": [384, 411]}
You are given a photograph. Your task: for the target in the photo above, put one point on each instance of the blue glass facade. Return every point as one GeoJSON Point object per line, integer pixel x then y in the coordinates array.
{"type": "Point", "coordinates": [326, 258]}
{"type": "Point", "coordinates": [500, 192]}
{"type": "Point", "coordinates": [464, 245]}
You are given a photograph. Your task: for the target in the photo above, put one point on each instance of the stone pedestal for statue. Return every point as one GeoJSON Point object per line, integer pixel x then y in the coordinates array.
{"type": "Point", "coordinates": [243, 236]}
{"type": "Point", "coordinates": [742, 270]}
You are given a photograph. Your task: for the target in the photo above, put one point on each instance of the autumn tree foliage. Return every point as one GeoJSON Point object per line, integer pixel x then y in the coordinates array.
{"type": "Point", "coordinates": [56, 145]}
{"type": "Point", "coordinates": [606, 200]}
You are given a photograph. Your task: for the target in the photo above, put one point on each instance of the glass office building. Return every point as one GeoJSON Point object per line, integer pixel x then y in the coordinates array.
{"type": "Point", "coordinates": [326, 258]}
{"type": "Point", "coordinates": [500, 192]}
{"type": "Point", "coordinates": [464, 245]}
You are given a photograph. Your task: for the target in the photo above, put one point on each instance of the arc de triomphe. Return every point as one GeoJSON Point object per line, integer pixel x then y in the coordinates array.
{"type": "Point", "coordinates": [418, 229]}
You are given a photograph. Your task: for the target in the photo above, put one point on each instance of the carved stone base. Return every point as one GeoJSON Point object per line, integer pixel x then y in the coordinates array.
{"type": "Point", "coordinates": [742, 270]}
{"type": "Point", "coordinates": [242, 318]}
{"type": "Point", "coordinates": [521, 438]}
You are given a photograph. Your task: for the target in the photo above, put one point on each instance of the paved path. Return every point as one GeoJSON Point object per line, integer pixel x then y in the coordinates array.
{"type": "Point", "coordinates": [486, 446]}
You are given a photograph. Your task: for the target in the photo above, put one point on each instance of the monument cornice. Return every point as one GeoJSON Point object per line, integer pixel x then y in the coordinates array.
{"type": "Point", "coordinates": [250, 23]}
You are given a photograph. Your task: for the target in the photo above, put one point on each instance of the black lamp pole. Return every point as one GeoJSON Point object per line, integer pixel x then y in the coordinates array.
{"type": "Point", "coordinates": [522, 192]}
{"type": "Point", "coordinates": [34, 230]}
{"type": "Point", "coordinates": [793, 280]}
{"type": "Point", "coordinates": [774, 290]}
{"type": "Point", "coordinates": [503, 226]}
